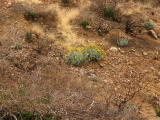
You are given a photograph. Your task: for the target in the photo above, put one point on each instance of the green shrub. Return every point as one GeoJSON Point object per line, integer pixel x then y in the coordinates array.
{"type": "Point", "coordinates": [110, 13]}
{"type": "Point", "coordinates": [28, 37]}
{"type": "Point", "coordinates": [26, 116]}
{"type": "Point", "coordinates": [65, 1]}
{"type": "Point", "coordinates": [18, 46]}
{"type": "Point", "coordinates": [29, 15]}
{"type": "Point", "coordinates": [76, 58]}
{"type": "Point", "coordinates": [149, 26]}
{"type": "Point", "coordinates": [158, 113]}
{"type": "Point", "coordinates": [93, 54]}
{"type": "Point", "coordinates": [85, 24]}
{"type": "Point", "coordinates": [122, 42]}
{"type": "Point", "coordinates": [80, 56]}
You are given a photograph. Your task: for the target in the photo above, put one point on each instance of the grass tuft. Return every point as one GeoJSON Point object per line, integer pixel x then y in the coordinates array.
{"type": "Point", "coordinates": [30, 15]}
{"type": "Point", "coordinates": [65, 1]}
{"type": "Point", "coordinates": [18, 46]}
{"type": "Point", "coordinates": [28, 37]}
{"type": "Point", "coordinates": [122, 42]}
{"type": "Point", "coordinates": [158, 113]}
{"type": "Point", "coordinates": [85, 24]}
{"type": "Point", "coordinates": [110, 13]}
{"type": "Point", "coordinates": [149, 26]}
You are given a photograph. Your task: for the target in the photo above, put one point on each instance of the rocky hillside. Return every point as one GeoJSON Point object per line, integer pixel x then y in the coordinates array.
{"type": "Point", "coordinates": [79, 60]}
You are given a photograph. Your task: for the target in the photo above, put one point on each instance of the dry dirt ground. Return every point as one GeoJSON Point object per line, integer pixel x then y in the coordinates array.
{"type": "Point", "coordinates": [124, 86]}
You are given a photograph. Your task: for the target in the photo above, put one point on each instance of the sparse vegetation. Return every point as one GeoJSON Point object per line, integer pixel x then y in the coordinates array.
{"type": "Point", "coordinates": [22, 93]}
{"type": "Point", "coordinates": [158, 113]}
{"type": "Point", "coordinates": [110, 13]}
{"type": "Point", "coordinates": [65, 1]}
{"type": "Point", "coordinates": [26, 116]}
{"type": "Point", "coordinates": [45, 99]}
{"type": "Point", "coordinates": [31, 116]}
{"type": "Point", "coordinates": [30, 15]}
{"type": "Point", "coordinates": [94, 78]}
{"type": "Point", "coordinates": [18, 46]}
{"type": "Point", "coordinates": [76, 58]}
{"type": "Point", "coordinates": [149, 26]}
{"type": "Point", "coordinates": [85, 24]}
{"type": "Point", "coordinates": [50, 117]}
{"type": "Point", "coordinates": [17, 64]}
{"type": "Point", "coordinates": [93, 53]}
{"type": "Point", "coordinates": [50, 64]}
{"type": "Point", "coordinates": [122, 42]}
{"type": "Point", "coordinates": [28, 37]}
{"type": "Point", "coordinates": [80, 56]}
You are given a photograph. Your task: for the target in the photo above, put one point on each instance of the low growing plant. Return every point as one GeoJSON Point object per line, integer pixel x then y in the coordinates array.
{"type": "Point", "coordinates": [18, 46]}
{"type": "Point", "coordinates": [26, 116]}
{"type": "Point", "coordinates": [158, 113]}
{"type": "Point", "coordinates": [28, 37]}
{"type": "Point", "coordinates": [122, 42]}
{"type": "Point", "coordinates": [76, 58]}
{"type": "Point", "coordinates": [17, 64]}
{"type": "Point", "coordinates": [94, 78]}
{"type": "Point", "coordinates": [149, 26]}
{"type": "Point", "coordinates": [85, 24]}
{"type": "Point", "coordinates": [93, 53]}
{"type": "Point", "coordinates": [65, 1]}
{"type": "Point", "coordinates": [110, 13]}
{"type": "Point", "coordinates": [80, 56]}
{"type": "Point", "coordinates": [29, 15]}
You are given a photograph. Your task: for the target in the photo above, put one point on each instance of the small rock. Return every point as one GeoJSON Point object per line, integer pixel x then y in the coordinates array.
{"type": "Point", "coordinates": [131, 63]}
{"type": "Point", "coordinates": [132, 50]}
{"type": "Point", "coordinates": [101, 65]}
{"type": "Point", "coordinates": [9, 4]}
{"type": "Point", "coordinates": [152, 68]}
{"type": "Point", "coordinates": [122, 51]}
{"type": "Point", "coordinates": [146, 71]}
{"type": "Point", "coordinates": [153, 34]}
{"type": "Point", "coordinates": [145, 53]}
{"type": "Point", "coordinates": [113, 49]}
{"type": "Point", "coordinates": [89, 27]}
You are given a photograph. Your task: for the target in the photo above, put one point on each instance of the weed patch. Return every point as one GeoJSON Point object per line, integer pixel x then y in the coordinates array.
{"type": "Point", "coordinates": [18, 46]}
{"type": "Point", "coordinates": [85, 24]}
{"type": "Point", "coordinates": [28, 37]}
{"type": "Point", "coordinates": [122, 42]}
{"type": "Point", "coordinates": [31, 16]}
{"type": "Point", "coordinates": [149, 26]}
{"type": "Point", "coordinates": [158, 113]}
{"type": "Point", "coordinates": [80, 56]}
{"type": "Point", "coordinates": [110, 13]}
{"type": "Point", "coordinates": [65, 1]}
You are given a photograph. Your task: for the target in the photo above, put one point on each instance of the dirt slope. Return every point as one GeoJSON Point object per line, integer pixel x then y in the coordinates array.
{"type": "Point", "coordinates": [124, 86]}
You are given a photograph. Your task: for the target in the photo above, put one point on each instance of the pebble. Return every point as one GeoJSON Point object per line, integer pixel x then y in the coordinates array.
{"type": "Point", "coordinates": [153, 34]}
{"type": "Point", "coordinates": [113, 49]}
{"type": "Point", "coordinates": [145, 53]}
